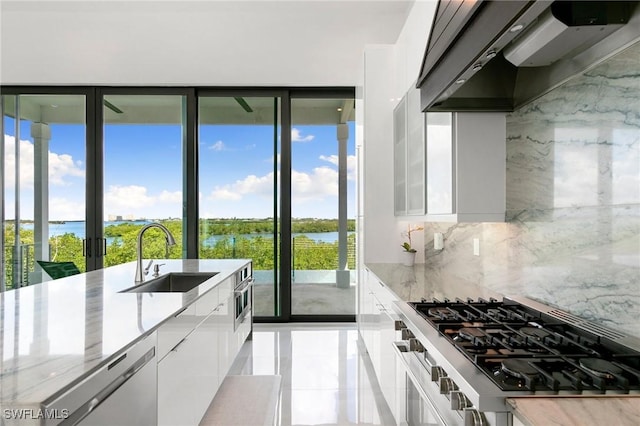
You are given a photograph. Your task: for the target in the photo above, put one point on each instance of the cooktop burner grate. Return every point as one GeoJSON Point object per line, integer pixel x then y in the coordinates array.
{"type": "Point", "coordinates": [520, 348]}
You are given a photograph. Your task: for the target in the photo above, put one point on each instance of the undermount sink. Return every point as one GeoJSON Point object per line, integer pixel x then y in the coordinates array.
{"type": "Point", "coordinates": [174, 282]}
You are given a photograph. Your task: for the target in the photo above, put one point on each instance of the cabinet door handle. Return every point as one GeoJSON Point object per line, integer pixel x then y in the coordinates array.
{"type": "Point", "coordinates": [179, 343]}
{"type": "Point", "coordinates": [180, 311]}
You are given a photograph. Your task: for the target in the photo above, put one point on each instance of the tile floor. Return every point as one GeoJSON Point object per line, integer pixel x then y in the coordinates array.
{"type": "Point", "coordinates": [325, 374]}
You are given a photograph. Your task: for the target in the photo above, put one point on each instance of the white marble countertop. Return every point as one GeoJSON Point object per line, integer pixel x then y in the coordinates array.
{"type": "Point", "coordinates": [411, 283]}
{"type": "Point", "coordinates": [57, 332]}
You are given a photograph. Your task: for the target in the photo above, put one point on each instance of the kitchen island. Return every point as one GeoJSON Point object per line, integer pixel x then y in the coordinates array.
{"type": "Point", "coordinates": [58, 333]}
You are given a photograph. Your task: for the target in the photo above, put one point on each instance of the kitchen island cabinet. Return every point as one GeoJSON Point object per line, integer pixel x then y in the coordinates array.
{"type": "Point", "coordinates": [58, 333]}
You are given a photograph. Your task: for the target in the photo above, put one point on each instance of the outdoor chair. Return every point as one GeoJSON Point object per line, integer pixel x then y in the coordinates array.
{"type": "Point", "coordinates": [58, 269]}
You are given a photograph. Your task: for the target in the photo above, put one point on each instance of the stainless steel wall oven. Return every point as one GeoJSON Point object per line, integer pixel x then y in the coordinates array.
{"type": "Point", "coordinates": [243, 293]}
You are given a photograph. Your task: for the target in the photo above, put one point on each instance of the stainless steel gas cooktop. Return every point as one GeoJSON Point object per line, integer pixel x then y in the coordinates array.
{"type": "Point", "coordinates": [464, 358]}
{"type": "Point", "coordinates": [521, 348]}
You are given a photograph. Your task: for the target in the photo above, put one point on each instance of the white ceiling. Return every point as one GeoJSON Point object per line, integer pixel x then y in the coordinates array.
{"type": "Point", "coordinates": [206, 42]}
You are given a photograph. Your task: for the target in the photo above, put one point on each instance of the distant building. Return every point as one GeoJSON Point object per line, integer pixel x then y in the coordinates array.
{"type": "Point", "coordinates": [119, 218]}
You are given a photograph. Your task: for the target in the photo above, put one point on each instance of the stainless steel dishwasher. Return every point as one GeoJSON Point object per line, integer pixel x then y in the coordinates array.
{"type": "Point", "coordinates": [124, 392]}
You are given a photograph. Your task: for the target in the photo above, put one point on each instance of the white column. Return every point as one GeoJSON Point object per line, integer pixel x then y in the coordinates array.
{"type": "Point", "coordinates": [342, 274]}
{"type": "Point", "coordinates": [41, 134]}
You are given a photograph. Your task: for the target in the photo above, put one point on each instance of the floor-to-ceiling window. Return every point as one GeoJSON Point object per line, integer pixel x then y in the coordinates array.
{"type": "Point", "coordinates": [43, 183]}
{"type": "Point", "coordinates": [322, 206]}
{"type": "Point", "coordinates": [265, 174]}
{"type": "Point", "coordinates": [143, 158]}
{"type": "Point", "coordinates": [239, 169]}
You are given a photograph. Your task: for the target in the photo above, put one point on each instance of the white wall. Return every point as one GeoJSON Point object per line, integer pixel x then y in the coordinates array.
{"type": "Point", "coordinates": [377, 152]}
{"type": "Point", "coordinates": [411, 45]}
{"type": "Point", "coordinates": [390, 70]}
{"type": "Point", "coordinates": [207, 43]}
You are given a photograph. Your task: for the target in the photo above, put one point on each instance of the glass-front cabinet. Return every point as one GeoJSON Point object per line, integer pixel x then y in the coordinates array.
{"type": "Point", "coordinates": [448, 166]}
{"type": "Point", "coordinates": [409, 156]}
{"type": "Point", "coordinates": [440, 167]}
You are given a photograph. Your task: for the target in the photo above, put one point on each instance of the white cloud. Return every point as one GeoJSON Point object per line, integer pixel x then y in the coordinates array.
{"type": "Point", "coordinates": [351, 164]}
{"type": "Point", "coordinates": [135, 200]}
{"type": "Point", "coordinates": [297, 137]}
{"type": "Point", "coordinates": [61, 166]}
{"type": "Point", "coordinates": [333, 159]}
{"type": "Point", "coordinates": [252, 184]}
{"type": "Point", "coordinates": [170, 197]}
{"type": "Point", "coordinates": [62, 208]}
{"type": "Point", "coordinates": [320, 183]}
{"type": "Point", "coordinates": [225, 194]}
{"type": "Point", "coordinates": [218, 146]}
{"type": "Point", "coordinates": [130, 197]}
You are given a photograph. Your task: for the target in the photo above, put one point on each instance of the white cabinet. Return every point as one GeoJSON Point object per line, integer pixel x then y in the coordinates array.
{"type": "Point", "coordinates": [199, 346]}
{"type": "Point", "coordinates": [188, 375]}
{"type": "Point", "coordinates": [448, 166]}
{"type": "Point", "coordinates": [400, 158]}
{"type": "Point", "coordinates": [227, 343]}
{"type": "Point", "coordinates": [176, 376]}
{"type": "Point", "coordinates": [466, 167]}
{"type": "Point", "coordinates": [379, 335]}
{"type": "Point", "coordinates": [176, 372]}
{"type": "Point", "coordinates": [409, 156]}
{"type": "Point", "coordinates": [366, 317]}
{"type": "Point", "coordinates": [205, 354]}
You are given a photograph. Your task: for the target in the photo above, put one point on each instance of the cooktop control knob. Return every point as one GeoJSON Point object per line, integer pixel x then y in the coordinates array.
{"type": "Point", "coordinates": [407, 334]}
{"type": "Point", "coordinates": [447, 385]}
{"type": "Point", "coordinates": [415, 345]}
{"type": "Point", "coordinates": [436, 373]}
{"type": "Point", "coordinates": [473, 417]}
{"type": "Point", "coordinates": [459, 401]}
{"type": "Point", "coordinates": [399, 325]}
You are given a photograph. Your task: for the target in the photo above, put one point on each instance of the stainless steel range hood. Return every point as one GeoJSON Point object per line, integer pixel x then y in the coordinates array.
{"type": "Point", "coordinates": [487, 55]}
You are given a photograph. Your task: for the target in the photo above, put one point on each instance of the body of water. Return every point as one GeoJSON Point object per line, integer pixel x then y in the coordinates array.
{"type": "Point", "coordinates": [78, 229]}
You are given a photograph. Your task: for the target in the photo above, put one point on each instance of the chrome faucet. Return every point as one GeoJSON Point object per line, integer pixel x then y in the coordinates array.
{"type": "Point", "coordinates": [170, 242]}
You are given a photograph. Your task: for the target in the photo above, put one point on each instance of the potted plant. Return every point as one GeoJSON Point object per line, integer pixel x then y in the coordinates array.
{"type": "Point", "coordinates": [409, 253]}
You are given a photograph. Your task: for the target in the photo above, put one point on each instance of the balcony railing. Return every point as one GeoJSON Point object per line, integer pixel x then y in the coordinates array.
{"type": "Point", "coordinates": [19, 264]}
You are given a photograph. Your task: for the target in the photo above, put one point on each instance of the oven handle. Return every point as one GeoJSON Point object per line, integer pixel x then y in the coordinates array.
{"type": "Point", "coordinates": [416, 383]}
{"type": "Point", "coordinates": [243, 287]}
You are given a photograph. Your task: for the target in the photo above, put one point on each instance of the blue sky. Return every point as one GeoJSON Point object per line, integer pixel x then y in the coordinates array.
{"type": "Point", "coordinates": [143, 171]}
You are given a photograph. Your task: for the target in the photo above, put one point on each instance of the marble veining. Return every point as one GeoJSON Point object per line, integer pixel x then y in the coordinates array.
{"type": "Point", "coordinates": [55, 333]}
{"type": "Point", "coordinates": [541, 411]}
{"type": "Point", "coordinates": [572, 236]}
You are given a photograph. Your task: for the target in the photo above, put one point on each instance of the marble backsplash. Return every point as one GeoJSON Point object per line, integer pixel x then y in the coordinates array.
{"type": "Point", "coordinates": [572, 236]}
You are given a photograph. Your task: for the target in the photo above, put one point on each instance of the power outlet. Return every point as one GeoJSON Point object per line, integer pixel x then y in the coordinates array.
{"type": "Point", "coordinates": [438, 241]}
{"type": "Point", "coordinates": [476, 247]}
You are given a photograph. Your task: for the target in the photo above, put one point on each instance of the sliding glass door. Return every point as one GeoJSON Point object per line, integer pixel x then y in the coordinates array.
{"type": "Point", "coordinates": [144, 143]}
{"type": "Point", "coordinates": [322, 206]}
{"type": "Point", "coordinates": [276, 186]}
{"type": "Point", "coordinates": [43, 155]}
{"type": "Point", "coordinates": [239, 204]}
{"type": "Point", "coordinates": [262, 174]}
